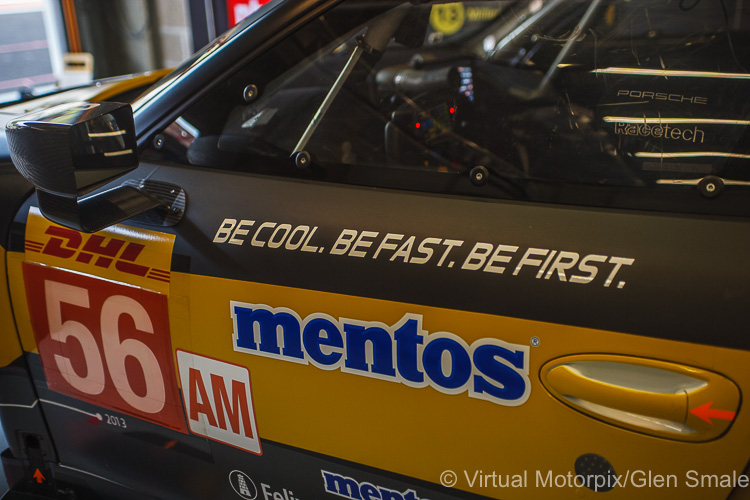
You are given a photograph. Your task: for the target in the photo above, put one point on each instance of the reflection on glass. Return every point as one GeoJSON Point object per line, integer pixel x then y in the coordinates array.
{"type": "Point", "coordinates": [719, 154]}
{"type": "Point", "coordinates": [660, 120]}
{"type": "Point", "coordinates": [670, 73]}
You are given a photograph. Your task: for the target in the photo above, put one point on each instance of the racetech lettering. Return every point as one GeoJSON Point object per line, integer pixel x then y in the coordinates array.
{"type": "Point", "coordinates": [119, 253]}
{"type": "Point", "coordinates": [404, 353]}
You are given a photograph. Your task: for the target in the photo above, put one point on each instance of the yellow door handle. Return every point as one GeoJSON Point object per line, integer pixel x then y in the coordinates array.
{"type": "Point", "coordinates": [650, 396]}
{"type": "Point", "coordinates": [573, 384]}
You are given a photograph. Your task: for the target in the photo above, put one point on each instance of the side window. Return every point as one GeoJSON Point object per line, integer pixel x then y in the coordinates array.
{"type": "Point", "coordinates": [537, 96]}
{"type": "Point", "coordinates": [624, 93]}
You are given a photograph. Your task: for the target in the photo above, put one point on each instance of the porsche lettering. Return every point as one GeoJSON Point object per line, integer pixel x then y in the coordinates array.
{"type": "Point", "coordinates": [661, 96]}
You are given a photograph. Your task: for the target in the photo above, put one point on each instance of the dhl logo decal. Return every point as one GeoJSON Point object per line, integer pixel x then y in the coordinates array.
{"type": "Point", "coordinates": [65, 243]}
{"type": "Point", "coordinates": [120, 253]}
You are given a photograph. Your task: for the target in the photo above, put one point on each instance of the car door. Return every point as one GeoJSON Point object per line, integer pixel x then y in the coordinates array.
{"type": "Point", "coordinates": [432, 254]}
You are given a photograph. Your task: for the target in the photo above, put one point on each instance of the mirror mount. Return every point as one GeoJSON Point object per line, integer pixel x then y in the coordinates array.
{"type": "Point", "coordinates": [68, 151]}
{"type": "Point", "coordinates": [95, 213]}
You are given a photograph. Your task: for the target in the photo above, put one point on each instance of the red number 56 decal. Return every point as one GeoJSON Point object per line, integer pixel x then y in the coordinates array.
{"type": "Point", "coordinates": [105, 343]}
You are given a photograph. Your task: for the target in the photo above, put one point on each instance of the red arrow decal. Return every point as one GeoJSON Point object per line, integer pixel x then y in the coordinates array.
{"type": "Point", "coordinates": [706, 413]}
{"type": "Point", "coordinates": [38, 476]}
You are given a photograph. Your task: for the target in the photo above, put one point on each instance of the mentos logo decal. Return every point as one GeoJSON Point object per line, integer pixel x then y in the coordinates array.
{"type": "Point", "coordinates": [403, 353]}
{"type": "Point", "coordinates": [347, 487]}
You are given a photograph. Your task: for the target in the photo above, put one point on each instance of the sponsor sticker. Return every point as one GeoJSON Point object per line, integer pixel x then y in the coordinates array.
{"type": "Point", "coordinates": [488, 369]}
{"type": "Point", "coordinates": [104, 343]}
{"type": "Point", "coordinates": [447, 18]}
{"type": "Point", "coordinates": [218, 401]}
{"type": "Point", "coordinates": [243, 485]}
{"type": "Point", "coordinates": [136, 256]}
{"type": "Point", "coordinates": [347, 487]}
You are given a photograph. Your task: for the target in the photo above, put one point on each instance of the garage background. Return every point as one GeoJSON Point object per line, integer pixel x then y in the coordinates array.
{"type": "Point", "coordinates": [46, 45]}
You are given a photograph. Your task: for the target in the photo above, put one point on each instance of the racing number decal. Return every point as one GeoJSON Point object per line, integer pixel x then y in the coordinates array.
{"type": "Point", "coordinates": [105, 343]}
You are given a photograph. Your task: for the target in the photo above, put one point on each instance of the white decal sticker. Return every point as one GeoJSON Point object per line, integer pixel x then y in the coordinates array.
{"type": "Point", "coordinates": [218, 401]}
{"type": "Point", "coordinates": [243, 485]}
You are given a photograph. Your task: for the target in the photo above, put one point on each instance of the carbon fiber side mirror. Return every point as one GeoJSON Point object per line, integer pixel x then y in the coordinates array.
{"type": "Point", "coordinates": [70, 150]}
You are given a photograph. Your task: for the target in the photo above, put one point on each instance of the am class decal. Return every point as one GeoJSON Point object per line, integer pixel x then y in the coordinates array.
{"type": "Point", "coordinates": [403, 352]}
{"type": "Point", "coordinates": [219, 401]}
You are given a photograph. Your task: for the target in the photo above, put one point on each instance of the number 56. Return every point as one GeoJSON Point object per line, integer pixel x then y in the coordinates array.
{"type": "Point", "coordinates": [115, 351]}
{"type": "Point", "coordinates": [105, 343]}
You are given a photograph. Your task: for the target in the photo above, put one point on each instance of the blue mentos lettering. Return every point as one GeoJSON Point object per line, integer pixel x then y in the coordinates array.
{"type": "Point", "coordinates": [488, 369]}
{"type": "Point", "coordinates": [347, 487]}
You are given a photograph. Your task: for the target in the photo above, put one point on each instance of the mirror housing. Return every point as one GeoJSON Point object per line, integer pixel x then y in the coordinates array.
{"type": "Point", "coordinates": [67, 151]}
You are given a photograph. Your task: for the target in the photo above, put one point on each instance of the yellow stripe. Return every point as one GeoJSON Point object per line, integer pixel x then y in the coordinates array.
{"type": "Point", "coordinates": [19, 302]}
{"type": "Point", "coordinates": [422, 432]}
{"type": "Point", "coordinates": [693, 154]}
{"type": "Point", "coordinates": [644, 120]}
{"type": "Point", "coordinates": [9, 345]}
{"type": "Point", "coordinates": [113, 88]}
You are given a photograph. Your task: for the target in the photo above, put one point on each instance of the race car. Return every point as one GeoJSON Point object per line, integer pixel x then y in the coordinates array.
{"type": "Point", "coordinates": [392, 250]}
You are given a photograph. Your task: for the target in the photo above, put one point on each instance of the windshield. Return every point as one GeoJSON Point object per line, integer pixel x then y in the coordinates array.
{"type": "Point", "coordinates": [525, 99]}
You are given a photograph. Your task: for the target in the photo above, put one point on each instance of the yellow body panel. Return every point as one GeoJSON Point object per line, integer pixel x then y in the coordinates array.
{"type": "Point", "coordinates": [120, 85]}
{"type": "Point", "coordinates": [9, 347]}
{"type": "Point", "coordinates": [519, 452]}
{"type": "Point", "coordinates": [104, 90]}
{"type": "Point", "coordinates": [422, 432]}
{"type": "Point", "coordinates": [20, 304]}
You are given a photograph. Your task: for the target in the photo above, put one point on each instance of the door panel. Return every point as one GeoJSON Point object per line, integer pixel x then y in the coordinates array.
{"type": "Point", "coordinates": [287, 259]}
{"type": "Point", "coordinates": [397, 381]}
{"type": "Point", "coordinates": [410, 345]}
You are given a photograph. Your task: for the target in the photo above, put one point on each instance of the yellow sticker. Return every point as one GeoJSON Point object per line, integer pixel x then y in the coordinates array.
{"type": "Point", "coordinates": [10, 349]}
{"type": "Point", "coordinates": [119, 253]}
{"type": "Point", "coordinates": [447, 18]}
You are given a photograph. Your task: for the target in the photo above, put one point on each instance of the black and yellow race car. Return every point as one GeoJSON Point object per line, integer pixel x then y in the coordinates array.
{"type": "Point", "coordinates": [392, 250]}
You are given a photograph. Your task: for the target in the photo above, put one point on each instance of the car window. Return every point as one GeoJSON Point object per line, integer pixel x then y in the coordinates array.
{"type": "Point", "coordinates": [605, 102]}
